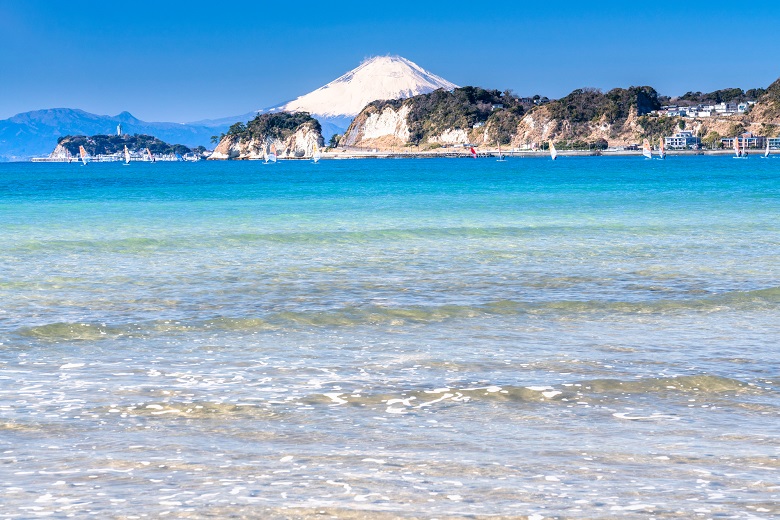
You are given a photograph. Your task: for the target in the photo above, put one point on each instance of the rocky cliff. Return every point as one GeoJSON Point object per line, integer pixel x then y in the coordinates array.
{"type": "Point", "coordinates": [462, 115]}
{"type": "Point", "coordinates": [584, 118]}
{"type": "Point", "coordinates": [292, 135]}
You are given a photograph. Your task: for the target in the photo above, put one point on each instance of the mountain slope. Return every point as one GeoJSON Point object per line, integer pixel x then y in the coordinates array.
{"type": "Point", "coordinates": [35, 133]}
{"type": "Point", "coordinates": [378, 78]}
{"type": "Point", "coordinates": [335, 105]}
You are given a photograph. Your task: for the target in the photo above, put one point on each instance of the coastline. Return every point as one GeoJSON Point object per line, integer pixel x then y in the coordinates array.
{"type": "Point", "coordinates": [356, 153]}
{"type": "Point", "coordinates": [493, 153]}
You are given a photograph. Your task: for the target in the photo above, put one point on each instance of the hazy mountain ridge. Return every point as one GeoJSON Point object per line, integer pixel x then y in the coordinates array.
{"type": "Point", "coordinates": [36, 133]}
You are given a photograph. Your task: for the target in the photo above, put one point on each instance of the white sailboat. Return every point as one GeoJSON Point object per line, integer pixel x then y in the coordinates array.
{"type": "Point", "coordinates": [84, 156]}
{"type": "Point", "coordinates": [646, 150]}
{"type": "Point", "coordinates": [149, 154]}
{"type": "Point", "coordinates": [553, 151]}
{"type": "Point", "coordinates": [766, 152]}
{"type": "Point", "coordinates": [738, 153]}
{"type": "Point", "coordinates": [662, 149]}
{"type": "Point", "coordinates": [500, 156]}
{"type": "Point", "coordinates": [316, 156]}
{"type": "Point", "coordinates": [127, 156]}
{"type": "Point", "coordinates": [270, 157]}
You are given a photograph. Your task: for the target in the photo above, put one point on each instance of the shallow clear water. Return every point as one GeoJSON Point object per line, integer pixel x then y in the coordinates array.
{"type": "Point", "coordinates": [585, 338]}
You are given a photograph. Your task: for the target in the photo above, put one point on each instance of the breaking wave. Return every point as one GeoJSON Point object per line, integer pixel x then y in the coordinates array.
{"type": "Point", "coordinates": [764, 299]}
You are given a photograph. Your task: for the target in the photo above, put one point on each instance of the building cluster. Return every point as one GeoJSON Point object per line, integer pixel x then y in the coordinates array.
{"type": "Point", "coordinates": [749, 140]}
{"type": "Point", "coordinates": [686, 140]}
{"type": "Point", "coordinates": [719, 110]}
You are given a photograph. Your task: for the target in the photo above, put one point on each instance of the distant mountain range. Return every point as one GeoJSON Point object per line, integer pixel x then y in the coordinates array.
{"type": "Point", "coordinates": [35, 133]}
{"type": "Point", "coordinates": [333, 105]}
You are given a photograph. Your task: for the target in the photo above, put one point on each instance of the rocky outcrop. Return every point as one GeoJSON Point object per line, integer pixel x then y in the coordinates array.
{"type": "Point", "coordinates": [375, 124]}
{"type": "Point", "coordinates": [293, 136]}
{"type": "Point", "coordinates": [619, 117]}
{"type": "Point", "coordinates": [463, 115]}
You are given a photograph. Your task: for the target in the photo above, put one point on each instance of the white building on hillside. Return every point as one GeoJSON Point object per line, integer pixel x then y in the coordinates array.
{"type": "Point", "coordinates": [683, 140]}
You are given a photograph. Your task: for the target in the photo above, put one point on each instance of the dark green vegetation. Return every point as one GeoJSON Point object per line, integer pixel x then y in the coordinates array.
{"type": "Point", "coordinates": [461, 109]}
{"type": "Point", "coordinates": [279, 125]}
{"type": "Point", "coordinates": [591, 105]}
{"type": "Point", "coordinates": [109, 144]}
{"type": "Point", "coordinates": [726, 95]}
{"type": "Point", "coordinates": [578, 144]}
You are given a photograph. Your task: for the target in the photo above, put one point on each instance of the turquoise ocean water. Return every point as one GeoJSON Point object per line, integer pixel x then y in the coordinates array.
{"type": "Point", "coordinates": [453, 338]}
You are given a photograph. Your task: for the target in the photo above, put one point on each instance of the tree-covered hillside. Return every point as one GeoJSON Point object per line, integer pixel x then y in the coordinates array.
{"type": "Point", "coordinates": [109, 144]}
{"type": "Point", "coordinates": [726, 95]}
{"type": "Point", "coordinates": [279, 125]}
{"type": "Point", "coordinates": [460, 109]}
{"type": "Point", "coordinates": [591, 105]}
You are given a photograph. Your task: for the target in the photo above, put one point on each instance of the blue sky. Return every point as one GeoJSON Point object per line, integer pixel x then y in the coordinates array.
{"type": "Point", "coordinates": [185, 61]}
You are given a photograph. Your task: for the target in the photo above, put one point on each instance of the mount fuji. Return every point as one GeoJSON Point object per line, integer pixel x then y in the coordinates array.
{"type": "Point", "coordinates": [338, 102]}
{"type": "Point", "coordinates": [378, 78]}
{"type": "Point", "coordinates": [334, 105]}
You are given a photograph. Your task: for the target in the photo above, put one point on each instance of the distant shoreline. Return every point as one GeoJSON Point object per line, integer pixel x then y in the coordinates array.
{"type": "Point", "coordinates": [447, 153]}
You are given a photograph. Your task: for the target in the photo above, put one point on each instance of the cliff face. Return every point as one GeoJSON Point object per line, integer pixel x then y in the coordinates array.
{"type": "Point", "coordinates": [619, 117]}
{"type": "Point", "coordinates": [766, 111]}
{"type": "Point", "coordinates": [463, 115]}
{"type": "Point", "coordinates": [540, 126]}
{"type": "Point", "coordinates": [376, 126]}
{"type": "Point", "coordinates": [293, 136]}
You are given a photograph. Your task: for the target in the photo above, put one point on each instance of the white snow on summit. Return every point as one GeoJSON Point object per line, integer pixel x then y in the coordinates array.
{"type": "Point", "coordinates": [381, 77]}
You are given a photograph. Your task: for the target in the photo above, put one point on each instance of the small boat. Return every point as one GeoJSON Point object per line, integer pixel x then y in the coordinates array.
{"type": "Point", "coordinates": [270, 157]}
{"type": "Point", "coordinates": [646, 150]}
{"type": "Point", "coordinates": [316, 155]}
{"type": "Point", "coordinates": [473, 152]}
{"type": "Point", "coordinates": [84, 156]}
{"type": "Point", "coordinates": [661, 149]}
{"type": "Point", "coordinates": [766, 152]}
{"type": "Point", "coordinates": [500, 156]}
{"type": "Point", "coordinates": [149, 154]}
{"type": "Point", "coordinates": [127, 156]}
{"type": "Point", "coordinates": [738, 152]}
{"type": "Point", "coordinates": [553, 151]}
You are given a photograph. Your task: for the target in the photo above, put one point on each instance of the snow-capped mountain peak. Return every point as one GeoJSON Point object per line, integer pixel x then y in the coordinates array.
{"type": "Point", "coordinates": [380, 77]}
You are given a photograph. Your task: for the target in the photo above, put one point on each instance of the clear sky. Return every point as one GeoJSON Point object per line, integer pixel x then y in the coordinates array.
{"type": "Point", "coordinates": [185, 61]}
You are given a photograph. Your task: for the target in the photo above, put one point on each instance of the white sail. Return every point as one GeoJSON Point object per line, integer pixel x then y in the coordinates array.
{"type": "Point", "coordinates": [83, 154]}
{"type": "Point", "coordinates": [766, 152]}
{"type": "Point", "coordinates": [127, 155]}
{"type": "Point", "coordinates": [316, 156]}
{"type": "Point", "coordinates": [149, 154]}
{"type": "Point", "coordinates": [553, 151]}
{"type": "Point", "coordinates": [737, 151]}
{"type": "Point", "coordinates": [271, 156]}
{"type": "Point", "coordinates": [500, 155]}
{"type": "Point", "coordinates": [646, 150]}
